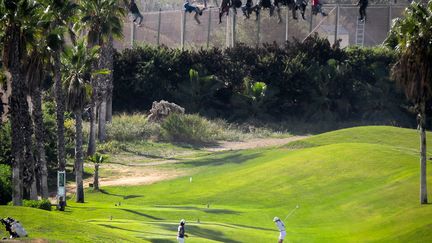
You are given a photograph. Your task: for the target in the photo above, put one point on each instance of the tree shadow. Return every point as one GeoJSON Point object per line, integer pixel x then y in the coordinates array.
{"type": "Point", "coordinates": [206, 210]}
{"type": "Point", "coordinates": [201, 232]}
{"type": "Point", "coordinates": [236, 158]}
{"type": "Point", "coordinates": [125, 197]}
{"type": "Point", "coordinates": [141, 214]}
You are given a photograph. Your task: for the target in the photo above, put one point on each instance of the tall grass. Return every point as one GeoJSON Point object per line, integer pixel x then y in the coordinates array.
{"type": "Point", "coordinates": [132, 127]}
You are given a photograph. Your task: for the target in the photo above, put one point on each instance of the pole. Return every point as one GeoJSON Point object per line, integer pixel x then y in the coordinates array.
{"type": "Point", "coordinates": [209, 28]}
{"type": "Point", "coordinates": [233, 29]}
{"type": "Point", "coordinates": [311, 22]}
{"type": "Point", "coordinates": [258, 30]}
{"type": "Point", "coordinates": [132, 34]}
{"type": "Point", "coordinates": [159, 26]}
{"type": "Point", "coordinates": [183, 29]}
{"type": "Point", "coordinates": [336, 25]}
{"type": "Point", "coordinates": [389, 16]}
{"type": "Point", "coordinates": [286, 23]}
{"type": "Point", "coordinates": [227, 37]}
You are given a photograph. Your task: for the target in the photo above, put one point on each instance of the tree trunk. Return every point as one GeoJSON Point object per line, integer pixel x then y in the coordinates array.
{"type": "Point", "coordinates": [110, 80]}
{"type": "Point", "coordinates": [102, 120]}
{"type": "Point", "coordinates": [60, 108]}
{"type": "Point", "coordinates": [18, 104]}
{"type": "Point", "coordinates": [96, 177]}
{"type": "Point", "coordinates": [79, 164]}
{"type": "Point", "coordinates": [40, 141]}
{"type": "Point", "coordinates": [92, 133]}
{"type": "Point", "coordinates": [423, 188]}
{"type": "Point", "coordinates": [109, 108]}
{"type": "Point", "coordinates": [33, 191]}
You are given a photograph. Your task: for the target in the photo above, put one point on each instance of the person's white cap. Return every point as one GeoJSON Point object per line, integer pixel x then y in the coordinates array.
{"type": "Point", "coordinates": [275, 219]}
{"type": "Point", "coordinates": [182, 221]}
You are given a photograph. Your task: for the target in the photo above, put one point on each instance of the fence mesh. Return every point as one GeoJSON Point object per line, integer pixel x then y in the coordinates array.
{"type": "Point", "coordinates": [165, 27]}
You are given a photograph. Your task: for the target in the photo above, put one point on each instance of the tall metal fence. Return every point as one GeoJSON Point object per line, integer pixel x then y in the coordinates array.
{"type": "Point", "coordinates": [178, 29]}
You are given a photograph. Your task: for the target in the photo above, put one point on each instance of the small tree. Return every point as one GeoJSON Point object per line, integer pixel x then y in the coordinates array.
{"type": "Point", "coordinates": [97, 159]}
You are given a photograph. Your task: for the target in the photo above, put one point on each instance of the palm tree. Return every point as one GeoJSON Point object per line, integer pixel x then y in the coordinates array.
{"type": "Point", "coordinates": [103, 20]}
{"type": "Point", "coordinates": [97, 159]}
{"type": "Point", "coordinates": [17, 25]}
{"type": "Point", "coordinates": [57, 17]}
{"type": "Point", "coordinates": [411, 37]}
{"type": "Point", "coordinates": [35, 74]}
{"type": "Point", "coordinates": [77, 63]}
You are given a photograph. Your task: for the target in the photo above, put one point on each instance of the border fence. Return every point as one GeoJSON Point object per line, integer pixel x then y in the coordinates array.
{"type": "Point", "coordinates": [177, 29]}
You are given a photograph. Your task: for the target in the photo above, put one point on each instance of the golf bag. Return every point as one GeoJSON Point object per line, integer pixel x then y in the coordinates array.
{"type": "Point", "coordinates": [14, 227]}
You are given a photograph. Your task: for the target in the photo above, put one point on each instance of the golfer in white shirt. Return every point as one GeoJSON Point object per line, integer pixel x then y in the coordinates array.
{"type": "Point", "coordinates": [281, 228]}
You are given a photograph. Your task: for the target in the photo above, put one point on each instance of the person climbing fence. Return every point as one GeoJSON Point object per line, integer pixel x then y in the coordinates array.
{"type": "Point", "coordinates": [317, 8]}
{"type": "Point", "coordinates": [363, 5]}
{"type": "Point", "coordinates": [189, 8]}
{"type": "Point", "coordinates": [133, 8]}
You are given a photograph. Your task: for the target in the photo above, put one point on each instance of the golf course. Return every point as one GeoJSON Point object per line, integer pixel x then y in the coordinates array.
{"type": "Point", "coordinates": [352, 185]}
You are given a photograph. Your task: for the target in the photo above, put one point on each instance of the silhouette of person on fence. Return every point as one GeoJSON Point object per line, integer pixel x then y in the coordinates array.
{"type": "Point", "coordinates": [317, 8]}
{"type": "Point", "coordinates": [133, 8]}
{"type": "Point", "coordinates": [363, 5]}
{"type": "Point", "coordinates": [248, 8]}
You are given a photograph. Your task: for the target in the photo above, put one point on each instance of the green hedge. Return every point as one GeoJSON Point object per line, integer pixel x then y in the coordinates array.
{"type": "Point", "coordinates": [309, 81]}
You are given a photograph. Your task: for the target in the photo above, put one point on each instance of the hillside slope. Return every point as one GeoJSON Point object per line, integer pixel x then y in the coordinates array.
{"type": "Point", "coordinates": [351, 185]}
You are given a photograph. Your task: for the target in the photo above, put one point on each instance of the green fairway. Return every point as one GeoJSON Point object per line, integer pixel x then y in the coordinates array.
{"type": "Point", "coordinates": [351, 185]}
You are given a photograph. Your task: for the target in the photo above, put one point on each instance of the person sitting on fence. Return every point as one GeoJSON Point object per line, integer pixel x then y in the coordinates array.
{"type": "Point", "coordinates": [265, 4]}
{"type": "Point", "coordinates": [289, 3]}
{"type": "Point", "coordinates": [363, 5]}
{"type": "Point", "coordinates": [317, 8]}
{"type": "Point", "coordinates": [188, 7]}
{"type": "Point", "coordinates": [133, 8]}
{"type": "Point", "coordinates": [248, 8]}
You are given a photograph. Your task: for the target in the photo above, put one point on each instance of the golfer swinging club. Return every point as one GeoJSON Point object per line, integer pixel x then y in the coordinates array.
{"type": "Point", "coordinates": [181, 232]}
{"type": "Point", "coordinates": [281, 227]}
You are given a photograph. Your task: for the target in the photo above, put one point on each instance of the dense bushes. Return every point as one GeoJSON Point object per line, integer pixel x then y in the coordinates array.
{"type": "Point", "coordinates": [5, 184]}
{"type": "Point", "coordinates": [310, 81]}
{"type": "Point", "coordinates": [44, 204]}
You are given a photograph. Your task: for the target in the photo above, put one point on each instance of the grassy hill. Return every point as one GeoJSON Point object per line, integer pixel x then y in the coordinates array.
{"type": "Point", "coordinates": [357, 184]}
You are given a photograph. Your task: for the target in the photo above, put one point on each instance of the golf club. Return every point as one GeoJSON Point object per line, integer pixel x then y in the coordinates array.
{"type": "Point", "coordinates": [292, 211]}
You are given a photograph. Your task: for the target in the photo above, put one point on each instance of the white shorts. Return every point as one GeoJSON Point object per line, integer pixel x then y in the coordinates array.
{"type": "Point", "coordinates": [180, 240]}
{"type": "Point", "coordinates": [282, 235]}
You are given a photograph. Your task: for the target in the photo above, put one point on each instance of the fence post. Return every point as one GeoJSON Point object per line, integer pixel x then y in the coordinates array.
{"type": "Point", "coordinates": [227, 30]}
{"type": "Point", "coordinates": [209, 28]}
{"type": "Point", "coordinates": [286, 23]}
{"type": "Point", "coordinates": [132, 34]}
{"type": "Point", "coordinates": [258, 30]}
{"type": "Point", "coordinates": [183, 29]}
{"type": "Point", "coordinates": [389, 16]}
{"type": "Point", "coordinates": [233, 28]}
{"type": "Point", "coordinates": [336, 25]}
{"type": "Point", "coordinates": [159, 26]}
{"type": "Point", "coordinates": [311, 21]}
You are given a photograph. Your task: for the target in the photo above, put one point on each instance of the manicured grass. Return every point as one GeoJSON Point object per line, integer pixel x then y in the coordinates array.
{"type": "Point", "coordinates": [352, 185]}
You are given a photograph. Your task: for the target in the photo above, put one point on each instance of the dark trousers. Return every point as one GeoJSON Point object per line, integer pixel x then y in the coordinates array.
{"type": "Point", "coordinates": [363, 11]}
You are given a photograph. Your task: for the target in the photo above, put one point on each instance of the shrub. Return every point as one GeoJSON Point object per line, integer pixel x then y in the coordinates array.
{"type": "Point", "coordinates": [132, 128]}
{"type": "Point", "coordinates": [5, 144]}
{"type": "Point", "coordinates": [44, 204]}
{"type": "Point", "coordinates": [5, 184]}
{"type": "Point", "coordinates": [191, 129]}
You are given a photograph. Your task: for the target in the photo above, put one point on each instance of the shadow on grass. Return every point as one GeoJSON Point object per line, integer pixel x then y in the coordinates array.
{"type": "Point", "coordinates": [160, 240]}
{"type": "Point", "coordinates": [141, 214]}
{"type": "Point", "coordinates": [236, 158]}
{"type": "Point", "coordinates": [207, 210]}
{"type": "Point", "coordinates": [125, 197]}
{"type": "Point", "coordinates": [201, 232]}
